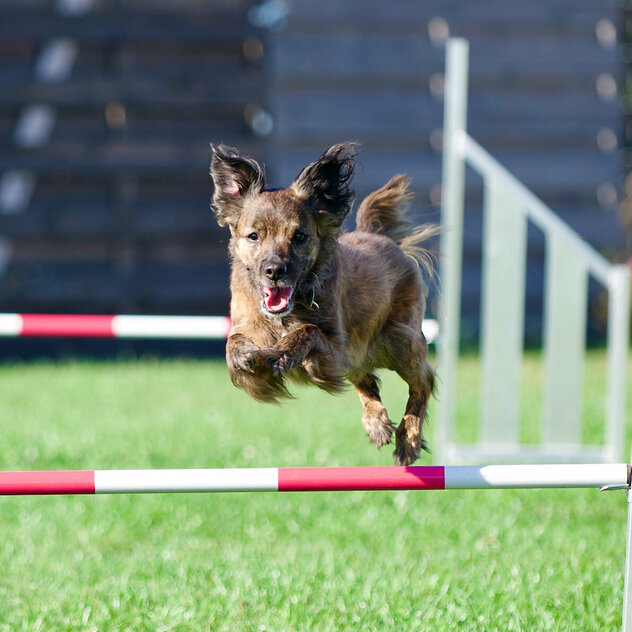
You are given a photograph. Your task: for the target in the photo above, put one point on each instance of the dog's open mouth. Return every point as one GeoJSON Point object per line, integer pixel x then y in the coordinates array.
{"type": "Point", "coordinates": [277, 300]}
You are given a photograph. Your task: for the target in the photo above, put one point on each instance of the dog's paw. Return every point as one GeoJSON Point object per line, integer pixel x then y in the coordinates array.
{"type": "Point", "coordinates": [381, 436]}
{"type": "Point", "coordinates": [379, 429]}
{"type": "Point", "coordinates": [284, 363]}
{"type": "Point", "coordinates": [246, 358]}
{"type": "Point", "coordinates": [405, 454]}
{"type": "Point", "coordinates": [407, 449]}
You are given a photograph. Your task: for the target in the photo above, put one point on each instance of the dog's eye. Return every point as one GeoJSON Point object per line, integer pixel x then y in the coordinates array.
{"type": "Point", "coordinates": [252, 237]}
{"type": "Point", "coordinates": [300, 237]}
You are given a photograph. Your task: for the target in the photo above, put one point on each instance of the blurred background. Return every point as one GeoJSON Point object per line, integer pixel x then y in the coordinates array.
{"type": "Point", "coordinates": [107, 109]}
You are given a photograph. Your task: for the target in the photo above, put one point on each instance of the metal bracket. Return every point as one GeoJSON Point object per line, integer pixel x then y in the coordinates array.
{"type": "Point", "coordinates": [627, 486]}
{"type": "Point", "coordinates": [609, 488]}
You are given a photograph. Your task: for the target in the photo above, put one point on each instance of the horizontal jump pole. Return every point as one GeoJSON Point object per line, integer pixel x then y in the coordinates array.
{"type": "Point", "coordinates": [116, 326]}
{"type": "Point", "coordinates": [304, 479]}
{"type": "Point", "coordinates": [131, 326]}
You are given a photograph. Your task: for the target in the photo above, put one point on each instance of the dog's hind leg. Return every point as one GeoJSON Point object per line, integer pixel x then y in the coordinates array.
{"type": "Point", "coordinates": [374, 418]}
{"type": "Point", "coordinates": [409, 437]}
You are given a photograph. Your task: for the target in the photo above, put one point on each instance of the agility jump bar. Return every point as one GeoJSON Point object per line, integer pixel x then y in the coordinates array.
{"type": "Point", "coordinates": [314, 479]}
{"type": "Point", "coordinates": [131, 326]}
{"type": "Point", "coordinates": [118, 326]}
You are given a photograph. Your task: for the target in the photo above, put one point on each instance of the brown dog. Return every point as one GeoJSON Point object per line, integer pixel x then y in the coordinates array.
{"type": "Point", "coordinates": [315, 304]}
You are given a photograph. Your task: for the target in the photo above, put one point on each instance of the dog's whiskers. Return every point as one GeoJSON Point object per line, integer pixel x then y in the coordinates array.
{"type": "Point", "coordinates": [414, 259]}
{"type": "Point", "coordinates": [313, 304]}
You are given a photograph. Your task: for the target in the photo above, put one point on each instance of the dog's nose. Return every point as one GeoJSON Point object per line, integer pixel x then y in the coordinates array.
{"type": "Point", "coordinates": [275, 270]}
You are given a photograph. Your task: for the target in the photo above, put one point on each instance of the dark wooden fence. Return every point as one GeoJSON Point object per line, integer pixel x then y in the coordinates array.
{"type": "Point", "coordinates": [115, 216]}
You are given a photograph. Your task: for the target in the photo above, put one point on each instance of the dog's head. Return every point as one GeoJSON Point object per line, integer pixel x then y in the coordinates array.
{"type": "Point", "coordinates": [279, 235]}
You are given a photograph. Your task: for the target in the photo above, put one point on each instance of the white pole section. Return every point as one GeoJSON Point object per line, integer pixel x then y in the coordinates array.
{"type": "Point", "coordinates": [10, 325]}
{"type": "Point", "coordinates": [134, 326]}
{"type": "Point", "coordinates": [188, 480]}
{"type": "Point", "coordinates": [535, 476]}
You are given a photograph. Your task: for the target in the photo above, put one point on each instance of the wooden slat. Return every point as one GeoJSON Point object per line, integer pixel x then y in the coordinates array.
{"type": "Point", "coordinates": [164, 220]}
{"type": "Point", "coordinates": [471, 13]}
{"type": "Point", "coordinates": [404, 54]}
{"type": "Point", "coordinates": [352, 54]}
{"type": "Point", "coordinates": [564, 342]}
{"type": "Point", "coordinates": [504, 254]}
{"type": "Point", "coordinates": [401, 114]}
{"type": "Point", "coordinates": [114, 27]}
{"type": "Point", "coordinates": [358, 110]}
{"type": "Point", "coordinates": [237, 87]}
{"type": "Point", "coordinates": [531, 106]}
{"type": "Point", "coordinates": [556, 172]}
{"type": "Point", "coordinates": [112, 157]}
{"type": "Point", "coordinates": [99, 285]}
{"type": "Point", "coordinates": [377, 164]}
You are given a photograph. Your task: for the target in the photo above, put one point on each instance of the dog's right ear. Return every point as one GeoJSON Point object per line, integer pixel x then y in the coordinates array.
{"type": "Point", "coordinates": [234, 176]}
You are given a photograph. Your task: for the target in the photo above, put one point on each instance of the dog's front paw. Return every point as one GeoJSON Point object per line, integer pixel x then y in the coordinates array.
{"type": "Point", "coordinates": [284, 363]}
{"type": "Point", "coordinates": [246, 358]}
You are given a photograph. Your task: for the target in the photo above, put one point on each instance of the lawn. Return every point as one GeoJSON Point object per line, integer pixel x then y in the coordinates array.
{"type": "Point", "coordinates": [457, 560]}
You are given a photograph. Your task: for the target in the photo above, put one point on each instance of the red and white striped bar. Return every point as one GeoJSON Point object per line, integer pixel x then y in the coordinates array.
{"type": "Point", "coordinates": [120, 326]}
{"type": "Point", "coordinates": [131, 326]}
{"type": "Point", "coordinates": [321, 479]}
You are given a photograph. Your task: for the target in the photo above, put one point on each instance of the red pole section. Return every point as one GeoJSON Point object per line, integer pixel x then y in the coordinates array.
{"type": "Point", "coordinates": [67, 325]}
{"type": "Point", "coordinates": [47, 482]}
{"type": "Point", "coordinates": [319, 479]}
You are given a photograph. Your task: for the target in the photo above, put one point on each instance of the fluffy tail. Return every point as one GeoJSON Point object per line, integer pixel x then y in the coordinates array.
{"type": "Point", "coordinates": [384, 212]}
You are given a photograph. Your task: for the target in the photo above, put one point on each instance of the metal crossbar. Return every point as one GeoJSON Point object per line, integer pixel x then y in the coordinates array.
{"type": "Point", "coordinates": [315, 479]}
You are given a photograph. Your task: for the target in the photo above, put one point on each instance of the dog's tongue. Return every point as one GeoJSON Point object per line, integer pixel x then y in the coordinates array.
{"type": "Point", "coordinates": [277, 298]}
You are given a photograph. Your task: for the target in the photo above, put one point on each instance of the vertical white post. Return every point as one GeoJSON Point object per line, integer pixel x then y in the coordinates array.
{"type": "Point", "coordinates": [627, 586]}
{"type": "Point", "coordinates": [502, 313]}
{"type": "Point", "coordinates": [566, 304]}
{"type": "Point", "coordinates": [451, 246]}
{"type": "Point", "coordinates": [618, 355]}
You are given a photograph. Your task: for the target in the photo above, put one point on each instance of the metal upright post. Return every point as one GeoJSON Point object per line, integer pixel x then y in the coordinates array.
{"type": "Point", "coordinates": [451, 246]}
{"type": "Point", "coordinates": [618, 358]}
{"type": "Point", "coordinates": [627, 588]}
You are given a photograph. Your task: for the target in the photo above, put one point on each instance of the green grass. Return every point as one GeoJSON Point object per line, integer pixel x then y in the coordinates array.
{"type": "Point", "coordinates": [486, 560]}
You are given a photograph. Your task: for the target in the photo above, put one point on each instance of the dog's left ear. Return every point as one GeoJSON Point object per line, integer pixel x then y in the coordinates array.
{"type": "Point", "coordinates": [234, 176]}
{"type": "Point", "coordinates": [327, 181]}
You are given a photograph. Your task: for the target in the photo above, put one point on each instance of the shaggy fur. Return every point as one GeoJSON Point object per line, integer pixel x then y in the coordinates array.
{"type": "Point", "coordinates": [315, 304]}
